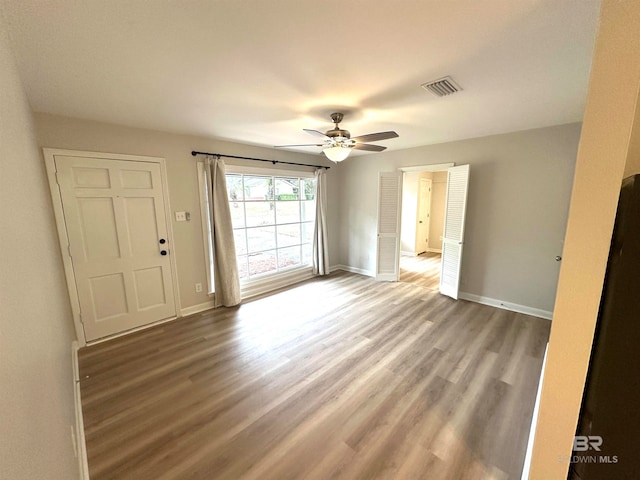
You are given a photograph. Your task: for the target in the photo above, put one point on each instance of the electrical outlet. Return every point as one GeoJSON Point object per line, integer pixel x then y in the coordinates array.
{"type": "Point", "coordinates": [198, 287]}
{"type": "Point", "coordinates": [181, 216]}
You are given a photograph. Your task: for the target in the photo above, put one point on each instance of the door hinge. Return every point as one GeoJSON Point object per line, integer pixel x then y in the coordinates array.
{"type": "Point", "coordinates": [69, 249]}
{"type": "Point", "coordinates": [57, 179]}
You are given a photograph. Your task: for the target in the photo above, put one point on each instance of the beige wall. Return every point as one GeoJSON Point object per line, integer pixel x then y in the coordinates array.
{"type": "Point", "coordinates": [607, 145]}
{"type": "Point", "coordinates": [633, 158]}
{"type": "Point", "coordinates": [518, 201]}
{"type": "Point", "coordinates": [36, 331]}
{"type": "Point", "coordinates": [62, 132]}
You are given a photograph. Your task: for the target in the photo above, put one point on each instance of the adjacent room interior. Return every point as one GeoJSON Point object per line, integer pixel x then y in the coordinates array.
{"type": "Point", "coordinates": [379, 316]}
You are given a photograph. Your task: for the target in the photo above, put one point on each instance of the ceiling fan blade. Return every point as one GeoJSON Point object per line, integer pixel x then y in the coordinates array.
{"type": "Point", "coordinates": [315, 132]}
{"type": "Point", "coordinates": [375, 137]}
{"type": "Point", "coordinates": [368, 147]}
{"type": "Point", "coordinates": [303, 145]}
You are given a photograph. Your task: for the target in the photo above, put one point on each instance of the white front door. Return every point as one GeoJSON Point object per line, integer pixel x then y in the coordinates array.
{"type": "Point", "coordinates": [115, 218]}
{"type": "Point", "coordinates": [453, 237]}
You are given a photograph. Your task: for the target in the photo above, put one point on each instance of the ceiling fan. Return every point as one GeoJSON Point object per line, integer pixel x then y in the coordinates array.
{"type": "Point", "coordinates": [338, 143]}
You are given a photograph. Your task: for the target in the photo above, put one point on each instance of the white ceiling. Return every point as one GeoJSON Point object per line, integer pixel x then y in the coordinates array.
{"type": "Point", "coordinates": [259, 71]}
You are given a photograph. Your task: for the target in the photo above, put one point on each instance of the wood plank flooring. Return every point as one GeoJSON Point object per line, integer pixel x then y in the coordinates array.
{"type": "Point", "coordinates": [423, 270]}
{"type": "Point", "coordinates": [337, 378]}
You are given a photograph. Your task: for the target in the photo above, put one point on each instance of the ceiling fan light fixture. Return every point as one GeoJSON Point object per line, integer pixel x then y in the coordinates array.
{"type": "Point", "coordinates": [337, 153]}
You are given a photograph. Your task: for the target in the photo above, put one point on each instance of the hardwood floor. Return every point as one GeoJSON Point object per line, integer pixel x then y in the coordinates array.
{"type": "Point", "coordinates": [423, 270]}
{"type": "Point", "coordinates": [337, 378]}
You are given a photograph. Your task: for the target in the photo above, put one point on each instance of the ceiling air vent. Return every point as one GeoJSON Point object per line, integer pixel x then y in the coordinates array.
{"type": "Point", "coordinates": [442, 87]}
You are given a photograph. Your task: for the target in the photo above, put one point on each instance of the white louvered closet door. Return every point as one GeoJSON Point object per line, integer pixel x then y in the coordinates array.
{"type": "Point", "coordinates": [389, 208]}
{"type": "Point", "coordinates": [453, 238]}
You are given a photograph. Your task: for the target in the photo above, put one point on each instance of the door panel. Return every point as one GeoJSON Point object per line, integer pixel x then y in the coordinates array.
{"type": "Point", "coordinates": [453, 238]}
{"type": "Point", "coordinates": [388, 246]}
{"type": "Point", "coordinates": [114, 215]}
{"type": "Point", "coordinates": [96, 229]}
{"type": "Point", "coordinates": [107, 294]}
{"type": "Point", "coordinates": [149, 284]}
{"type": "Point", "coordinates": [141, 225]}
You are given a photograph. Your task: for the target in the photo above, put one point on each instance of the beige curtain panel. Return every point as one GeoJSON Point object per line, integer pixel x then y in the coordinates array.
{"type": "Point", "coordinates": [320, 244]}
{"type": "Point", "coordinates": [225, 266]}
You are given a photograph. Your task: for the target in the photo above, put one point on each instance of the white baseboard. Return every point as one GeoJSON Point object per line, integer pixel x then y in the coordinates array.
{"type": "Point", "coordinates": [534, 422]}
{"type": "Point", "coordinates": [80, 443]}
{"type": "Point", "coordinates": [201, 307]}
{"type": "Point", "coordinates": [347, 268]}
{"type": "Point", "coordinates": [408, 254]}
{"type": "Point", "coordinates": [434, 250]}
{"type": "Point", "coordinates": [514, 307]}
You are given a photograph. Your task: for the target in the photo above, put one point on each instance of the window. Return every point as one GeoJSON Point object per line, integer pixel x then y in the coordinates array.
{"type": "Point", "coordinates": [273, 217]}
{"type": "Point", "coordinates": [273, 221]}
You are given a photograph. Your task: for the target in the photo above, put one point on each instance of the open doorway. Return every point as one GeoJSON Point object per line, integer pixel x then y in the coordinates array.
{"type": "Point", "coordinates": [388, 245]}
{"type": "Point", "coordinates": [422, 226]}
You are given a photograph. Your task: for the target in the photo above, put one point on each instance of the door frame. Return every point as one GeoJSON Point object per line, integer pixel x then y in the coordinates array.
{"type": "Point", "coordinates": [434, 167]}
{"type": "Point", "coordinates": [58, 210]}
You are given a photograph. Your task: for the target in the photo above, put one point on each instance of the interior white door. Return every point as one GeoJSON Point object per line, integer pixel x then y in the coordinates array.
{"type": "Point", "coordinates": [389, 208]}
{"type": "Point", "coordinates": [453, 237]}
{"type": "Point", "coordinates": [114, 213]}
{"type": "Point", "coordinates": [424, 212]}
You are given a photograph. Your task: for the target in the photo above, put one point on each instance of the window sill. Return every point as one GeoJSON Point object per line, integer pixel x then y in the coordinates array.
{"type": "Point", "coordinates": [267, 284]}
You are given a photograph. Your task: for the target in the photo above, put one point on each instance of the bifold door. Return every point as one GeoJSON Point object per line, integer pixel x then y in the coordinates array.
{"type": "Point", "coordinates": [453, 237]}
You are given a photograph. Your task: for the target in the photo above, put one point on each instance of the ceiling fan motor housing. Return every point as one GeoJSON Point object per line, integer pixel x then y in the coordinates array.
{"type": "Point", "coordinates": [336, 133]}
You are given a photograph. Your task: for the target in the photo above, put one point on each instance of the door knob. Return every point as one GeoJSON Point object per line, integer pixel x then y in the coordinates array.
{"type": "Point", "coordinates": [162, 241]}
{"type": "Point", "coordinates": [558, 258]}
{"type": "Point", "coordinates": [163, 252]}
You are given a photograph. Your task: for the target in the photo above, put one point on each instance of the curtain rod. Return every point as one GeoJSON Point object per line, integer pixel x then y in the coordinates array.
{"type": "Point", "coordinates": [194, 153]}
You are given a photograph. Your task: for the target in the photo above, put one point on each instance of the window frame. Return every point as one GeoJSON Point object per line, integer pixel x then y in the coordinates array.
{"type": "Point", "coordinates": [251, 286]}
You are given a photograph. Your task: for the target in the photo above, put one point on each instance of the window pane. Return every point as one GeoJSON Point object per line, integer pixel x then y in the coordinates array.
{"type": "Point", "coordinates": [260, 263]}
{"type": "Point", "coordinates": [243, 268]}
{"type": "Point", "coordinates": [287, 212]}
{"type": "Point", "coordinates": [308, 210]}
{"type": "Point", "coordinates": [269, 212]}
{"type": "Point", "coordinates": [261, 238]}
{"type": "Point", "coordinates": [287, 188]}
{"type": "Point", "coordinates": [307, 251]}
{"type": "Point", "coordinates": [240, 239]}
{"type": "Point", "coordinates": [258, 187]}
{"type": "Point", "coordinates": [260, 213]}
{"type": "Point", "coordinates": [288, 235]}
{"type": "Point", "coordinates": [307, 232]}
{"type": "Point", "coordinates": [237, 214]}
{"type": "Point", "coordinates": [309, 187]}
{"type": "Point", "coordinates": [288, 257]}
{"type": "Point", "coordinates": [234, 187]}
